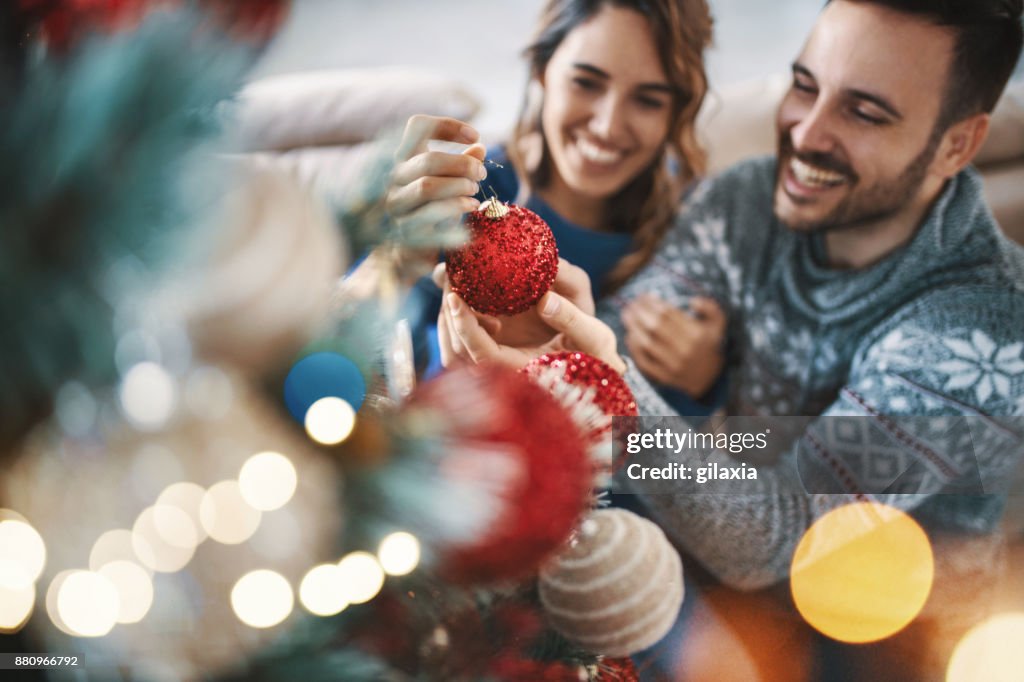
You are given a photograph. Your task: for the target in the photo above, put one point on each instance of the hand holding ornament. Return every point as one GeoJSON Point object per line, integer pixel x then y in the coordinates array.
{"type": "Point", "coordinates": [677, 348]}
{"type": "Point", "coordinates": [432, 187]}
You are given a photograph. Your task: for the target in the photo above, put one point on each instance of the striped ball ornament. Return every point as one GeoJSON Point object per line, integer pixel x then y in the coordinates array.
{"type": "Point", "coordinates": [617, 588]}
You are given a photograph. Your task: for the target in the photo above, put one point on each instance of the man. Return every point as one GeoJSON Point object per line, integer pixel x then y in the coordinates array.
{"type": "Point", "coordinates": [862, 274]}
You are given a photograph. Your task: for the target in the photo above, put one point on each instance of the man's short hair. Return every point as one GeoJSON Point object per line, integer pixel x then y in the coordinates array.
{"type": "Point", "coordinates": [988, 43]}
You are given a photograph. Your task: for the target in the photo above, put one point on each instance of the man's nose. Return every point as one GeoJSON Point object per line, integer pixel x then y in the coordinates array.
{"type": "Point", "coordinates": [814, 130]}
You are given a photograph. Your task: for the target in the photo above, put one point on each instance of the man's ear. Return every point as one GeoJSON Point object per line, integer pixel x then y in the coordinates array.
{"type": "Point", "coordinates": [959, 144]}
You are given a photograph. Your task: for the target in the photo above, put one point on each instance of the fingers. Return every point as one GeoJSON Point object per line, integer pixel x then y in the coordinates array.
{"type": "Point", "coordinates": [440, 276]}
{"type": "Point", "coordinates": [640, 338]}
{"type": "Point", "coordinates": [574, 284]}
{"type": "Point", "coordinates": [441, 164]}
{"type": "Point", "coordinates": [404, 199]}
{"type": "Point", "coordinates": [582, 331]}
{"type": "Point", "coordinates": [476, 343]}
{"type": "Point", "coordinates": [649, 321]}
{"type": "Point", "coordinates": [441, 211]}
{"type": "Point", "coordinates": [420, 129]}
{"type": "Point", "coordinates": [707, 309]}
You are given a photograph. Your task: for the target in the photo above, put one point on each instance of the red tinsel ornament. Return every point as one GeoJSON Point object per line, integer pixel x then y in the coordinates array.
{"type": "Point", "coordinates": [508, 669]}
{"type": "Point", "coordinates": [593, 393]}
{"type": "Point", "coordinates": [509, 263]}
{"type": "Point", "coordinates": [502, 431]}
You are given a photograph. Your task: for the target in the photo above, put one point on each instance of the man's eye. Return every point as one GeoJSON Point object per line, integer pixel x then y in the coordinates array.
{"type": "Point", "coordinates": [868, 118]}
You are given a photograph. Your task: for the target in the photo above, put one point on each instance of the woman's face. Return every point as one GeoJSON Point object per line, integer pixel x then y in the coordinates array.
{"type": "Point", "coordinates": [607, 104]}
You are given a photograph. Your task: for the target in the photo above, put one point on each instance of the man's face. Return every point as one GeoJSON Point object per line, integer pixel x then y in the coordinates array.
{"type": "Point", "coordinates": [857, 127]}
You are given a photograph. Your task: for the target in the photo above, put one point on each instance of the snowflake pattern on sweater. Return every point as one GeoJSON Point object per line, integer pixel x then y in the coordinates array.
{"type": "Point", "coordinates": [933, 330]}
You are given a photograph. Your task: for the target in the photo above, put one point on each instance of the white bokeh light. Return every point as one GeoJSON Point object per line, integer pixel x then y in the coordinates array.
{"type": "Point", "coordinates": [22, 554]}
{"type": "Point", "coordinates": [88, 604]}
{"type": "Point", "coordinates": [322, 591]}
{"type": "Point", "coordinates": [262, 599]}
{"type": "Point", "coordinates": [148, 395]}
{"type": "Point", "coordinates": [268, 480]}
{"type": "Point", "coordinates": [15, 607]}
{"type": "Point", "coordinates": [330, 420]}
{"type": "Point", "coordinates": [134, 589]}
{"type": "Point", "coordinates": [118, 545]}
{"type": "Point", "coordinates": [152, 549]}
{"type": "Point", "coordinates": [991, 651]}
{"type": "Point", "coordinates": [362, 577]}
{"type": "Point", "coordinates": [399, 553]}
{"type": "Point", "coordinates": [225, 514]}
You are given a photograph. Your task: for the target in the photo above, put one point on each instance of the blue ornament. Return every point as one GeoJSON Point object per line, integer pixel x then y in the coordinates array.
{"type": "Point", "coordinates": [322, 375]}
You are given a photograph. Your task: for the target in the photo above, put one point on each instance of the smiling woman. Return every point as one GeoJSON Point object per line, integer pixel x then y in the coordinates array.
{"type": "Point", "coordinates": [603, 150]}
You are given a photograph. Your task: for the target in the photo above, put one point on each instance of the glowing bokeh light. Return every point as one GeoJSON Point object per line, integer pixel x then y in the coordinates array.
{"type": "Point", "coordinates": [51, 601]}
{"type": "Point", "coordinates": [152, 549]}
{"type": "Point", "coordinates": [322, 375]}
{"type": "Point", "coordinates": [361, 576]}
{"type": "Point", "coordinates": [88, 604]}
{"type": "Point", "coordinates": [399, 553]}
{"type": "Point", "coordinates": [119, 545]}
{"type": "Point", "coordinates": [208, 393]}
{"type": "Point", "coordinates": [268, 480]}
{"type": "Point", "coordinates": [225, 514]}
{"type": "Point", "coordinates": [329, 421]}
{"type": "Point", "coordinates": [16, 607]}
{"type": "Point", "coordinates": [187, 497]}
{"type": "Point", "coordinates": [322, 590]}
{"type": "Point", "coordinates": [22, 554]}
{"type": "Point", "coordinates": [148, 395]}
{"type": "Point", "coordinates": [174, 526]}
{"type": "Point", "coordinates": [134, 589]}
{"type": "Point", "coordinates": [262, 599]}
{"type": "Point", "coordinates": [862, 572]}
{"type": "Point", "coordinates": [990, 651]}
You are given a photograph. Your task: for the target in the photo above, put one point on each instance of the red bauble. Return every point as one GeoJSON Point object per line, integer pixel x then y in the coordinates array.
{"type": "Point", "coordinates": [507, 435]}
{"type": "Point", "coordinates": [593, 393]}
{"type": "Point", "coordinates": [509, 669]}
{"type": "Point", "coordinates": [509, 263]}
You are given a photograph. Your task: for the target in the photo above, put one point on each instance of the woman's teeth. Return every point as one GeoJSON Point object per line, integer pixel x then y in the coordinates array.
{"type": "Point", "coordinates": [811, 176]}
{"type": "Point", "coordinates": [595, 154]}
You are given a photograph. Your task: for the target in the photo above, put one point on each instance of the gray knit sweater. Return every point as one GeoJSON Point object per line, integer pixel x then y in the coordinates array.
{"type": "Point", "coordinates": [936, 328]}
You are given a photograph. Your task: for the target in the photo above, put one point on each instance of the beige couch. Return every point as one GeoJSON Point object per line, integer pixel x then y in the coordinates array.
{"type": "Point", "coordinates": [319, 126]}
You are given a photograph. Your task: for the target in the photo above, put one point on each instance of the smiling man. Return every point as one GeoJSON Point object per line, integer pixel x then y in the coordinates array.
{"type": "Point", "coordinates": [863, 276]}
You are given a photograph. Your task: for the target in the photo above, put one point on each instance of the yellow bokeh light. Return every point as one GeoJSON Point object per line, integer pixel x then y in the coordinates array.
{"type": "Point", "coordinates": [16, 607]}
{"type": "Point", "coordinates": [399, 553]}
{"type": "Point", "coordinates": [322, 590]}
{"type": "Point", "coordinates": [134, 589]}
{"type": "Point", "coordinates": [862, 572]}
{"type": "Point", "coordinates": [329, 421]}
{"type": "Point", "coordinates": [118, 545]}
{"type": "Point", "coordinates": [148, 395]}
{"type": "Point", "coordinates": [361, 576]}
{"type": "Point", "coordinates": [267, 480]}
{"type": "Point", "coordinates": [153, 550]}
{"type": "Point", "coordinates": [991, 651]}
{"type": "Point", "coordinates": [262, 599]}
{"type": "Point", "coordinates": [225, 514]}
{"type": "Point", "coordinates": [22, 554]}
{"type": "Point", "coordinates": [88, 604]}
{"type": "Point", "coordinates": [187, 497]}
{"type": "Point", "coordinates": [174, 526]}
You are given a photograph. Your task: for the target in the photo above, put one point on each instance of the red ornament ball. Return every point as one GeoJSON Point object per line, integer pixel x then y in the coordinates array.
{"type": "Point", "coordinates": [509, 263]}
{"type": "Point", "coordinates": [593, 393]}
{"type": "Point", "coordinates": [504, 433]}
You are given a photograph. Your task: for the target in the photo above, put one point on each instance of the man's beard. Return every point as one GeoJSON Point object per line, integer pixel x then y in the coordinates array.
{"type": "Point", "coordinates": [861, 206]}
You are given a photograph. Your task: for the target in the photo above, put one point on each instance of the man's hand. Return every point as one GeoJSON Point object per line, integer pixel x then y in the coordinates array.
{"type": "Point", "coordinates": [674, 347]}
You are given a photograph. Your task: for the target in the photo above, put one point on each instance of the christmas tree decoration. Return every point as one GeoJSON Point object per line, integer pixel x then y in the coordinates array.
{"type": "Point", "coordinates": [618, 586]}
{"type": "Point", "coordinates": [593, 393]}
{"type": "Point", "coordinates": [509, 263]}
{"type": "Point", "coordinates": [322, 375]}
{"type": "Point", "coordinates": [511, 439]}
{"type": "Point", "coordinates": [266, 265]}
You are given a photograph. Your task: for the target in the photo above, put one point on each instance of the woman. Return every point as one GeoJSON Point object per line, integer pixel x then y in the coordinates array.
{"type": "Point", "coordinates": [603, 150]}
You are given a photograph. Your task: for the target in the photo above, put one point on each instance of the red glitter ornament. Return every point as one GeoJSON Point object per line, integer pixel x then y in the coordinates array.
{"type": "Point", "coordinates": [513, 438]}
{"type": "Point", "coordinates": [509, 263]}
{"type": "Point", "coordinates": [509, 669]}
{"type": "Point", "coordinates": [593, 392]}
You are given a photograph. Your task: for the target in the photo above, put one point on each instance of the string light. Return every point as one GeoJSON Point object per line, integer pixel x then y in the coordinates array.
{"type": "Point", "coordinates": [322, 590]}
{"type": "Point", "coordinates": [267, 480]}
{"type": "Point", "coordinates": [399, 553]}
{"type": "Point", "coordinates": [362, 577]}
{"type": "Point", "coordinates": [262, 599]}
{"type": "Point", "coordinates": [225, 514]}
{"type": "Point", "coordinates": [330, 421]}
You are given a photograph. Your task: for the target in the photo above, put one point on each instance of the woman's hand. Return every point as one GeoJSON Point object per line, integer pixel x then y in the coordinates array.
{"type": "Point", "coordinates": [432, 187]}
{"type": "Point", "coordinates": [562, 320]}
{"type": "Point", "coordinates": [674, 347]}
